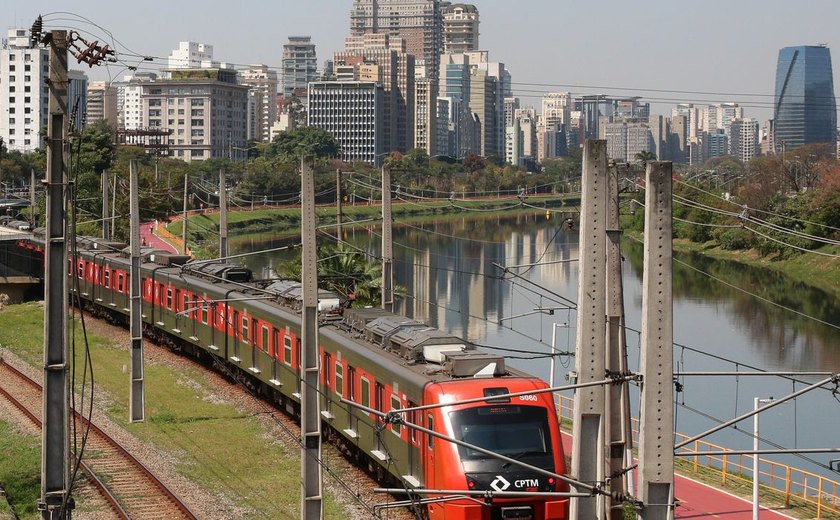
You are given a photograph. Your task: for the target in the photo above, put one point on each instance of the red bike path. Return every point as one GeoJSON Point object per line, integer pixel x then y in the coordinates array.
{"type": "Point", "coordinates": [149, 239]}
{"type": "Point", "coordinates": [698, 500]}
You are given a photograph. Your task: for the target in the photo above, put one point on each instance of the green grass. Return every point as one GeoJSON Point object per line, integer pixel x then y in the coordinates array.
{"type": "Point", "coordinates": [20, 472]}
{"type": "Point", "coordinates": [226, 452]}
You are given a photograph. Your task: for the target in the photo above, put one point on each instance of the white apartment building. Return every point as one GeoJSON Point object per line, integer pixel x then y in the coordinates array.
{"type": "Point", "coordinates": [101, 104]}
{"type": "Point", "coordinates": [556, 109]}
{"type": "Point", "coordinates": [191, 55]}
{"type": "Point", "coordinates": [352, 111]}
{"type": "Point", "coordinates": [262, 83]}
{"type": "Point", "coordinates": [460, 28]}
{"type": "Point", "coordinates": [24, 96]}
{"type": "Point", "coordinates": [300, 66]}
{"type": "Point", "coordinates": [204, 111]}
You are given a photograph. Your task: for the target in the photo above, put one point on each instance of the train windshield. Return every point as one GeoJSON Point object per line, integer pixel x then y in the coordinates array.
{"type": "Point", "coordinates": [514, 431]}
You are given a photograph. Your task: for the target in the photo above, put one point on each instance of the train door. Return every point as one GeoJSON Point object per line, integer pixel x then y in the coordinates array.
{"type": "Point", "coordinates": [413, 442]}
{"type": "Point", "coordinates": [378, 403]}
{"type": "Point", "coordinates": [236, 335]}
{"type": "Point", "coordinates": [297, 365]}
{"type": "Point", "coordinates": [275, 346]}
{"type": "Point", "coordinates": [351, 395]}
{"type": "Point", "coordinates": [266, 343]}
{"type": "Point", "coordinates": [327, 369]}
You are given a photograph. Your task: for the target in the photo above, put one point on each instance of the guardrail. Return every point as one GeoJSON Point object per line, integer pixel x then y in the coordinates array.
{"type": "Point", "coordinates": [791, 486]}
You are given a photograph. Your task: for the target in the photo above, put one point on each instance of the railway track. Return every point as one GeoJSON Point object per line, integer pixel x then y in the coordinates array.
{"type": "Point", "coordinates": [131, 490]}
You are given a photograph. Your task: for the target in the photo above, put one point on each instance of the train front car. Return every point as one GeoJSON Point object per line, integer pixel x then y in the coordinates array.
{"type": "Point", "coordinates": [522, 427]}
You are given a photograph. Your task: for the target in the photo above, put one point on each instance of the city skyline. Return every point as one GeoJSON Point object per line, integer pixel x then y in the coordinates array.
{"type": "Point", "coordinates": [661, 48]}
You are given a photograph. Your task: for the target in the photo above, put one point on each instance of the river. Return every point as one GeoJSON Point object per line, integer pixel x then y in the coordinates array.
{"type": "Point", "coordinates": [727, 317]}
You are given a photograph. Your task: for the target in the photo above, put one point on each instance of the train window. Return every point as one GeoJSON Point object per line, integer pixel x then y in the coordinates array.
{"type": "Point", "coordinates": [169, 298]}
{"type": "Point", "coordinates": [517, 431]}
{"type": "Point", "coordinates": [266, 340]}
{"type": "Point", "coordinates": [107, 277]}
{"type": "Point", "coordinates": [275, 344]}
{"type": "Point", "coordinates": [205, 311]}
{"type": "Point", "coordinates": [287, 348]}
{"type": "Point", "coordinates": [244, 329]}
{"type": "Point", "coordinates": [430, 425]}
{"type": "Point", "coordinates": [365, 388]}
{"type": "Point", "coordinates": [396, 404]}
{"type": "Point", "coordinates": [339, 378]}
{"type": "Point", "coordinates": [120, 285]}
{"type": "Point", "coordinates": [186, 303]}
{"type": "Point", "coordinates": [81, 269]}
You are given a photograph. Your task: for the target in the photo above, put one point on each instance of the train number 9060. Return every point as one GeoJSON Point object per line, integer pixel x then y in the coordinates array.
{"type": "Point", "coordinates": [528, 398]}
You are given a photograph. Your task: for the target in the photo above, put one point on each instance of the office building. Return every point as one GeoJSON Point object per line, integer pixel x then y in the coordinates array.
{"type": "Point", "coordinates": [352, 111]}
{"type": "Point", "coordinates": [805, 110]}
{"type": "Point", "coordinates": [417, 22]}
{"type": "Point", "coordinates": [385, 60]}
{"type": "Point", "coordinates": [460, 28]}
{"type": "Point", "coordinates": [262, 84]}
{"type": "Point", "coordinates": [24, 96]}
{"type": "Point", "coordinates": [744, 139]}
{"type": "Point", "coordinates": [300, 66]}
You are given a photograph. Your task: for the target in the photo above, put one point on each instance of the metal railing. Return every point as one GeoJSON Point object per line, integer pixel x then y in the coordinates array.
{"type": "Point", "coordinates": [791, 486]}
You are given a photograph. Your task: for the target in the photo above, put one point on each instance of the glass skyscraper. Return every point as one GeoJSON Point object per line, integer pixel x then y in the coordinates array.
{"type": "Point", "coordinates": [805, 111]}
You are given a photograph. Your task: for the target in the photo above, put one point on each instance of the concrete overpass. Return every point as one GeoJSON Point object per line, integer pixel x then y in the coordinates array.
{"type": "Point", "coordinates": [21, 270]}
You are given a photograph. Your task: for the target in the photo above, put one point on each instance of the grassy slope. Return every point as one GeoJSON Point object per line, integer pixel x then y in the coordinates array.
{"type": "Point", "coordinates": [20, 472]}
{"type": "Point", "coordinates": [215, 445]}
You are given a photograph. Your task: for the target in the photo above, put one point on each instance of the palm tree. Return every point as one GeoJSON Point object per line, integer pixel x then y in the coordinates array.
{"type": "Point", "coordinates": [644, 156]}
{"type": "Point", "coordinates": [348, 272]}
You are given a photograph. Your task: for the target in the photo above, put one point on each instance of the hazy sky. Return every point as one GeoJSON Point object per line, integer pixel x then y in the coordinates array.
{"type": "Point", "coordinates": [718, 48]}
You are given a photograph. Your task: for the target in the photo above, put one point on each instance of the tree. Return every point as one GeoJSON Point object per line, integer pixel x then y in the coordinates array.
{"type": "Point", "coordinates": [306, 140]}
{"type": "Point", "coordinates": [644, 156]}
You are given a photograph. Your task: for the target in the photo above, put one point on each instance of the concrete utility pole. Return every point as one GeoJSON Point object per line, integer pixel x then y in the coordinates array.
{"type": "Point", "coordinates": [338, 210]}
{"type": "Point", "coordinates": [311, 506]}
{"type": "Point", "coordinates": [618, 432]}
{"type": "Point", "coordinates": [588, 441]}
{"type": "Point", "coordinates": [32, 197]}
{"type": "Point", "coordinates": [137, 391]}
{"type": "Point", "coordinates": [387, 243]}
{"type": "Point", "coordinates": [223, 231]}
{"type": "Point", "coordinates": [106, 217]}
{"type": "Point", "coordinates": [184, 221]}
{"type": "Point", "coordinates": [113, 207]}
{"type": "Point", "coordinates": [656, 432]}
{"type": "Point", "coordinates": [55, 500]}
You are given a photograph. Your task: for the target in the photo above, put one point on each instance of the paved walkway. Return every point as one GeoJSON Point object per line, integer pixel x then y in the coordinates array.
{"type": "Point", "coordinates": [148, 238]}
{"type": "Point", "coordinates": [697, 500]}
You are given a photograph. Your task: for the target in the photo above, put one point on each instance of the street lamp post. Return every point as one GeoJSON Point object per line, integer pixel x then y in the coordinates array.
{"type": "Point", "coordinates": [756, 461]}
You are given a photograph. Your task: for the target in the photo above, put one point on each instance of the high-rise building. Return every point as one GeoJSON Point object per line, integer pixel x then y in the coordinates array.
{"type": "Point", "coordinates": [743, 139]}
{"type": "Point", "coordinates": [805, 110]}
{"type": "Point", "coordinates": [352, 111]}
{"type": "Point", "coordinates": [425, 115]}
{"type": "Point", "coordinates": [262, 83]}
{"type": "Point", "coordinates": [556, 107]}
{"type": "Point", "coordinates": [418, 22]}
{"type": "Point", "coordinates": [130, 106]}
{"type": "Point", "coordinates": [300, 66]}
{"type": "Point", "coordinates": [191, 55]}
{"type": "Point", "coordinates": [382, 59]}
{"type": "Point", "coordinates": [460, 27]}
{"type": "Point", "coordinates": [101, 104]}
{"type": "Point", "coordinates": [626, 138]}
{"type": "Point", "coordinates": [76, 99]}
{"type": "Point", "coordinates": [23, 92]}
{"type": "Point", "coordinates": [204, 111]}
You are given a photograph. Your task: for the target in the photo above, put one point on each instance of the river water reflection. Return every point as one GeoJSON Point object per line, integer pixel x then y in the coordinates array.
{"type": "Point", "coordinates": [727, 317]}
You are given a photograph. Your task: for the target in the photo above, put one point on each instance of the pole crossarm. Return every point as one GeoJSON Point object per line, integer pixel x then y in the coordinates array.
{"type": "Point", "coordinates": [833, 379]}
{"type": "Point", "coordinates": [721, 453]}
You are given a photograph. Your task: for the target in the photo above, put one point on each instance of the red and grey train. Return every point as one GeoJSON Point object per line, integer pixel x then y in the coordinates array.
{"type": "Point", "coordinates": [383, 361]}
